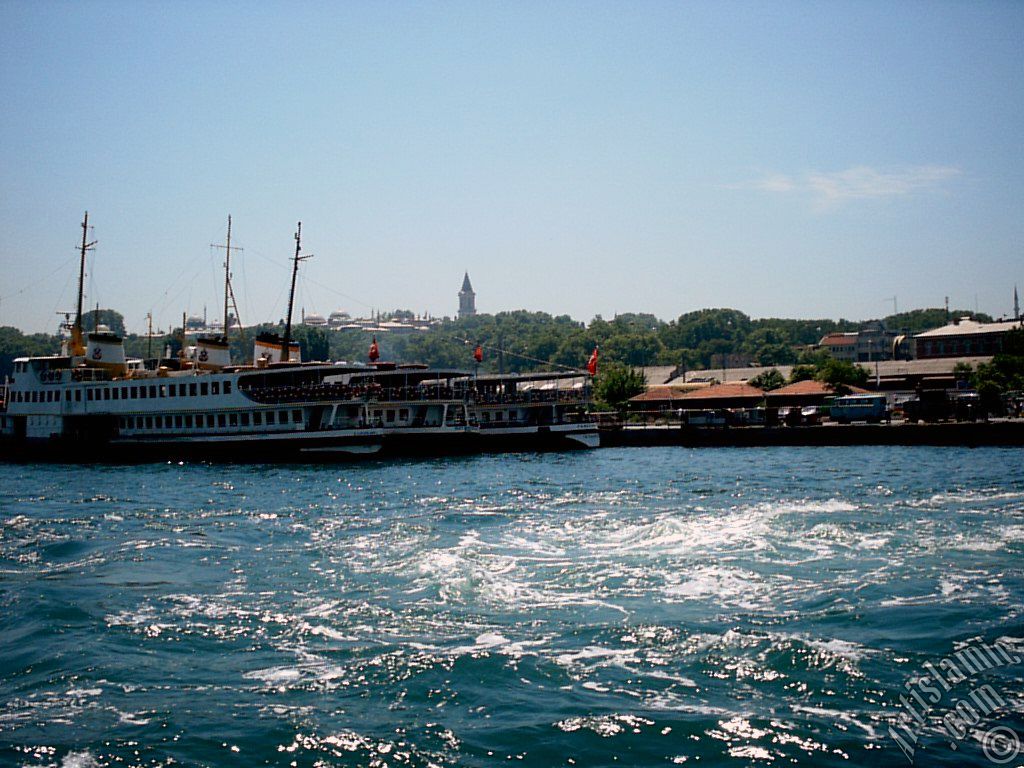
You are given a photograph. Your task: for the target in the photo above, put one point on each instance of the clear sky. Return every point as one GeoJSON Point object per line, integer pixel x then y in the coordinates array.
{"type": "Point", "coordinates": [794, 159]}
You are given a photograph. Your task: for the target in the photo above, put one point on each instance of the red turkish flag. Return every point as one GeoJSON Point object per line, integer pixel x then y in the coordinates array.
{"type": "Point", "coordinates": [374, 352]}
{"type": "Point", "coordinates": [592, 363]}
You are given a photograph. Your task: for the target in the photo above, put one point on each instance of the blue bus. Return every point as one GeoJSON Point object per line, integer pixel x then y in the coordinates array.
{"type": "Point", "coordinates": [870, 408]}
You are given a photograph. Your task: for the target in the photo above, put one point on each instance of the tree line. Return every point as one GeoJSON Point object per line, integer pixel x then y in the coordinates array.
{"type": "Point", "coordinates": [520, 341]}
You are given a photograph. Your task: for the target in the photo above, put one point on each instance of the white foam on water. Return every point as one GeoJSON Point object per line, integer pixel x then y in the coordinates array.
{"type": "Point", "coordinates": [1010, 533]}
{"type": "Point", "coordinates": [750, 752]}
{"type": "Point", "coordinates": [490, 640]}
{"type": "Point", "coordinates": [841, 716]}
{"type": "Point", "coordinates": [274, 674]}
{"type": "Point", "coordinates": [84, 692]}
{"type": "Point", "coordinates": [328, 632]}
{"type": "Point", "coordinates": [605, 725]}
{"type": "Point", "coordinates": [844, 649]}
{"type": "Point", "coordinates": [658, 674]}
{"type": "Point", "coordinates": [979, 542]}
{"type": "Point", "coordinates": [79, 760]}
{"type": "Point", "coordinates": [672, 701]}
{"type": "Point", "coordinates": [724, 585]}
{"type": "Point", "coordinates": [592, 653]}
{"type": "Point", "coordinates": [131, 718]}
{"type": "Point", "coordinates": [828, 506]}
{"type": "Point", "coordinates": [737, 728]}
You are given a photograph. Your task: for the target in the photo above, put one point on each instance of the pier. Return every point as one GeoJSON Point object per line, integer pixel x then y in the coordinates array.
{"type": "Point", "coordinates": [996, 432]}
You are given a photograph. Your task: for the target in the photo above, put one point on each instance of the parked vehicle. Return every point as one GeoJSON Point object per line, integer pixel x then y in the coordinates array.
{"type": "Point", "coordinates": [869, 408]}
{"type": "Point", "coordinates": [928, 405]}
{"type": "Point", "coordinates": [813, 414]}
{"type": "Point", "coordinates": [706, 418]}
{"type": "Point", "coordinates": [967, 406]}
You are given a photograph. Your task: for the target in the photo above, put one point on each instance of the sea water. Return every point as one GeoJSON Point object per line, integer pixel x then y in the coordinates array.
{"type": "Point", "coordinates": [634, 607]}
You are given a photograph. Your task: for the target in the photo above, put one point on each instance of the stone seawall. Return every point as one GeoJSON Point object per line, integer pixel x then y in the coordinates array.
{"type": "Point", "coordinates": [1010, 433]}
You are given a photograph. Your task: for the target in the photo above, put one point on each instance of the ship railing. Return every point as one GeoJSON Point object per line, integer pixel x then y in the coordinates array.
{"type": "Point", "coordinates": [533, 421]}
{"type": "Point", "coordinates": [90, 374]}
{"type": "Point", "coordinates": [578, 418]}
{"type": "Point", "coordinates": [333, 391]}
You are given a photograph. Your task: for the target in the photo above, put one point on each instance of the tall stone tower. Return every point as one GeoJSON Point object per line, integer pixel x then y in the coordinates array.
{"type": "Point", "coordinates": [467, 299]}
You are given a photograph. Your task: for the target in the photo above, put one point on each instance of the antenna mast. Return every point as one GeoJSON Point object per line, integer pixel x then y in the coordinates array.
{"type": "Point", "coordinates": [227, 275]}
{"type": "Point", "coordinates": [77, 334]}
{"type": "Point", "coordinates": [286, 355]}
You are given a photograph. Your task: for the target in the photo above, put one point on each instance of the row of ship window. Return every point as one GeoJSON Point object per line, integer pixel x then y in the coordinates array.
{"type": "Point", "coordinates": [211, 420]}
{"type": "Point", "coordinates": [125, 392]}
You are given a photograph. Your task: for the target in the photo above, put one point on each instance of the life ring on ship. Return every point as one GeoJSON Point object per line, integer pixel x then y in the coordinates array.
{"type": "Point", "coordinates": [97, 354]}
{"type": "Point", "coordinates": [203, 356]}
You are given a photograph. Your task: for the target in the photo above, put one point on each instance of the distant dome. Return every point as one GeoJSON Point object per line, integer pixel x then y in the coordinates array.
{"type": "Point", "coordinates": [339, 315]}
{"type": "Point", "coordinates": [315, 320]}
{"type": "Point", "coordinates": [195, 322]}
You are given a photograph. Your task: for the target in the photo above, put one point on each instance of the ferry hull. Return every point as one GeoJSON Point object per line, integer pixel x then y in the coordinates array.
{"type": "Point", "coordinates": [300, 447]}
{"type": "Point", "coordinates": [218, 450]}
{"type": "Point", "coordinates": [469, 441]}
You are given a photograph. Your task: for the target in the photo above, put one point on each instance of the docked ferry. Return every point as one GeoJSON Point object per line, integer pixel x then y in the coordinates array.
{"type": "Point", "coordinates": [103, 406]}
{"type": "Point", "coordinates": [91, 402]}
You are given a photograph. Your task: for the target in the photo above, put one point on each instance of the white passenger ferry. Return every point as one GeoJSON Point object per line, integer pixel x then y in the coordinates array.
{"type": "Point", "coordinates": [92, 402]}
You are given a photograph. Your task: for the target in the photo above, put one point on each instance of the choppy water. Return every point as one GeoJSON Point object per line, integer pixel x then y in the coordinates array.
{"type": "Point", "coordinates": [614, 607]}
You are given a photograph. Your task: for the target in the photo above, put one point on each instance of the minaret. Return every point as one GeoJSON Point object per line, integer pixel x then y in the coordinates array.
{"type": "Point", "coordinates": [1016, 305]}
{"type": "Point", "coordinates": [467, 299]}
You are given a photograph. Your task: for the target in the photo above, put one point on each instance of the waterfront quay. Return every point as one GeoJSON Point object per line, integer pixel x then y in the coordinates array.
{"type": "Point", "coordinates": [997, 432]}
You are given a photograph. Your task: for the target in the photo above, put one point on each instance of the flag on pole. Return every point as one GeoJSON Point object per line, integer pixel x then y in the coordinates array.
{"type": "Point", "coordinates": [374, 352]}
{"type": "Point", "coordinates": [478, 354]}
{"type": "Point", "coordinates": [592, 363]}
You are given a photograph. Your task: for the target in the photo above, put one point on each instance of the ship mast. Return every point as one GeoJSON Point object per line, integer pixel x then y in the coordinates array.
{"type": "Point", "coordinates": [227, 277]}
{"type": "Point", "coordinates": [228, 293]}
{"type": "Point", "coordinates": [286, 354]}
{"type": "Point", "coordinates": [77, 333]}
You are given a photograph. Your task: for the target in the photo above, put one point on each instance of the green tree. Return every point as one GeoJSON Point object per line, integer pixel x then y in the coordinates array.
{"type": "Point", "coordinates": [111, 318]}
{"type": "Point", "coordinates": [768, 380]}
{"type": "Point", "coordinates": [313, 342]}
{"type": "Point", "coordinates": [840, 375]}
{"type": "Point", "coordinates": [703, 337]}
{"type": "Point", "coordinates": [919, 320]}
{"type": "Point", "coordinates": [14, 344]}
{"type": "Point", "coordinates": [1005, 373]}
{"type": "Point", "coordinates": [802, 372]}
{"type": "Point", "coordinates": [616, 383]}
{"type": "Point", "coordinates": [963, 371]}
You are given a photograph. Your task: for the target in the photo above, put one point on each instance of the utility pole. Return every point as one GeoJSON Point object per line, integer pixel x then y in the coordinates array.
{"type": "Point", "coordinates": [228, 294]}
{"type": "Point", "coordinates": [286, 353]}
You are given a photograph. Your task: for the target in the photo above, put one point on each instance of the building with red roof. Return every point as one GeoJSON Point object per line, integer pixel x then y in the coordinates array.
{"type": "Point", "coordinates": [808, 392]}
{"type": "Point", "coordinates": [715, 396]}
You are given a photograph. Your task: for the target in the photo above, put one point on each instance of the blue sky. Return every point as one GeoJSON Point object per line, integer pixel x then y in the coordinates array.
{"type": "Point", "coordinates": [790, 159]}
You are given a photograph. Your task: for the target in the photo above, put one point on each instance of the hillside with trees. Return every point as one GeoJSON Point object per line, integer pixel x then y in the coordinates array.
{"type": "Point", "coordinates": [522, 341]}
